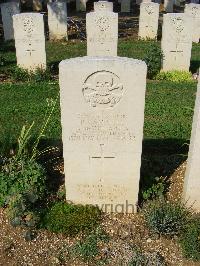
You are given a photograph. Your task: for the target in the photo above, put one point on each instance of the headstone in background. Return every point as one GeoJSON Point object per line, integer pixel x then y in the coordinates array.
{"type": "Point", "coordinates": [102, 33]}
{"type": "Point", "coordinates": [57, 20]}
{"type": "Point", "coordinates": [30, 41]}
{"type": "Point", "coordinates": [102, 114]}
{"type": "Point", "coordinates": [103, 6]}
{"type": "Point", "coordinates": [148, 21]}
{"type": "Point", "coordinates": [193, 11]}
{"type": "Point", "coordinates": [169, 6]}
{"type": "Point", "coordinates": [125, 6]}
{"type": "Point", "coordinates": [191, 193]}
{"type": "Point", "coordinates": [7, 11]}
{"type": "Point", "coordinates": [176, 42]}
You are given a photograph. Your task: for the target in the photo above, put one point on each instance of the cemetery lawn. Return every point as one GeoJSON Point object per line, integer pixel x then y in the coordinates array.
{"type": "Point", "coordinates": [168, 119]}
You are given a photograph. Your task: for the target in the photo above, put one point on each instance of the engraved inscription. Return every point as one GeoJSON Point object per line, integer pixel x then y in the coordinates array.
{"type": "Point", "coordinates": [102, 89]}
{"type": "Point", "coordinates": [102, 127]}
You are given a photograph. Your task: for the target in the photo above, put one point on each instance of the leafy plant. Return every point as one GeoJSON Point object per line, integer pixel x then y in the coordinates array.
{"type": "Point", "coordinates": [157, 190]}
{"type": "Point", "coordinates": [153, 59]}
{"type": "Point", "coordinates": [140, 258]}
{"type": "Point", "coordinates": [39, 75]}
{"type": "Point", "coordinates": [71, 219]}
{"type": "Point", "coordinates": [175, 76]}
{"type": "Point", "coordinates": [190, 239]}
{"type": "Point", "coordinates": [2, 61]}
{"type": "Point", "coordinates": [165, 217]}
{"type": "Point", "coordinates": [88, 248]}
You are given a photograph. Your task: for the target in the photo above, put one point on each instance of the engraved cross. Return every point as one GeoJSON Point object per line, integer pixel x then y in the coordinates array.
{"type": "Point", "coordinates": [30, 50]}
{"type": "Point", "coordinates": [102, 156]}
{"type": "Point", "coordinates": [176, 51]}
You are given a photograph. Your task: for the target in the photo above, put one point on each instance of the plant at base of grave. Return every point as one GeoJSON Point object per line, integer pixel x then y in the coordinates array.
{"type": "Point", "coordinates": [23, 179]}
{"type": "Point", "coordinates": [157, 190]}
{"type": "Point", "coordinates": [2, 61]}
{"type": "Point", "coordinates": [23, 141]}
{"type": "Point", "coordinates": [153, 59]}
{"type": "Point", "coordinates": [39, 75]}
{"type": "Point", "coordinates": [88, 247]}
{"type": "Point", "coordinates": [71, 219]}
{"type": "Point", "coordinates": [165, 217]}
{"type": "Point", "coordinates": [140, 258]}
{"type": "Point", "coordinates": [190, 239]}
{"type": "Point", "coordinates": [175, 76]}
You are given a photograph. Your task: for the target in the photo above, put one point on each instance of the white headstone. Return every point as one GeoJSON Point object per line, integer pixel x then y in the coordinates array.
{"type": "Point", "coordinates": [30, 41]}
{"type": "Point", "coordinates": [103, 6]}
{"type": "Point", "coordinates": [138, 2]}
{"type": "Point", "coordinates": [176, 42]}
{"type": "Point", "coordinates": [57, 20]}
{"type": "Point", "coordinates": [81, 5]}
{"type": "Point", "coordinates": [169, 6]}
{"type": "Point", "coordinates": [192, 176]}
{"type": "Point", "coordinates": [126, 6]}
{"type": "Point", "coordinates": [7, 11]}
{"type": "Point", "coordinates": [148, 21]}
{"type": "Point", "coordinates": [102, 114]}
{"type": "Point", "coordinates": [102, 33]}
{"type": "Point", "coordinates": [193, 11]}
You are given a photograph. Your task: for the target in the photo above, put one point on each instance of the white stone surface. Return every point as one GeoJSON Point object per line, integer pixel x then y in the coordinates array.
{"type": "Point", "coordinates": [7, 11]}
{"type": "Point", "coordinates": [148, 21]}
{"type": "Point", "coordinates": [57, 20]}
{"type": "Point", "coordinates": [81, 5]}
{"type": "Point", "coordinates": [103, 6]}
{"type": "Point", "coordinates": [193, 11]}
{"type": "Point", "coordinates": [176, 42]}
{"type": "Point", "coordinates": [125, 6]}
{"type": "Point", "coordinates": [191, 193]}
{"type": "Point", "coordinates": [30, 41]}
{"type": "Point", "coordinates": [169, 6]}
{"type": "Point", "coordinates": [102, 33]}
{"type": "Point", "coordinates": [102, 114]}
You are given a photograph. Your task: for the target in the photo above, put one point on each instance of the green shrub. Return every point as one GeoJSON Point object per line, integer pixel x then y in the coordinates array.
{"type": "Point", "coordinates": [140, 258]}
{"type": "Point", "coordinates": [166, 218]}
{"type": "Point", "coordinates": [190, 239]}
{"type": "Point", "coordinates": [156, 190]}
{"type": "Point", "coordinates": [2, 61]}
{"type": "Point", "coordinates": [71, 219]}
{"type": "Point", "coordinates": [88, 247]}
{"type": "Point", "coordinates": [39, 75]}
{"type": "Point", "coordinates": [175, 76]}
{"type": "Point", "coordinates": [21, 177]}
{"type": "Point", "coordinates": [153, 60]}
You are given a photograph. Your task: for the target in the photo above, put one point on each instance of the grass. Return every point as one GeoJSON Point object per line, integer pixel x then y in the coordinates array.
{"type": "Point", "coordinates": [168, 110]}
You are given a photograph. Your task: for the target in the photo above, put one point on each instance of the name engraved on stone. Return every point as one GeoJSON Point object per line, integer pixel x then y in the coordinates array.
{"type": "Point", "coordinates": [102, 127]}
{"type": "Point", "coordinates": [102, 89]}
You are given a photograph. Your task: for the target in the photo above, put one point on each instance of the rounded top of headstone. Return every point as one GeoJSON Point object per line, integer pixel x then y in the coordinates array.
{"type": "Point", "coordinates": [28, 14]}
{"type": "Point", "coordinates": [103, 6]}
{"type": "Point", "coordinates": [105, 59]}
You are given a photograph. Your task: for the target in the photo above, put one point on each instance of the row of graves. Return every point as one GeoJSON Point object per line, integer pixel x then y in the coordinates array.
{"type": "Point", "coordinates": [103, 98]}
{"type": "Point", "coordinates": [179, 30]}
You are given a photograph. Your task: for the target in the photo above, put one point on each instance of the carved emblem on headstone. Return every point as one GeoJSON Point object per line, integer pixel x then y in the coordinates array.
{"type": "Point", "coordinates": [194, 11]}
{"type": "Point", "coordinates": [102, 89]}
{"type": "Point", "coordinates": [178, 23]}
{"type": "Point", "coordinates": [28, 25]}
{"type": "Point", "coordinates": [103, 23]}
{"type": "Point", "coordinates": [149, 9]}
